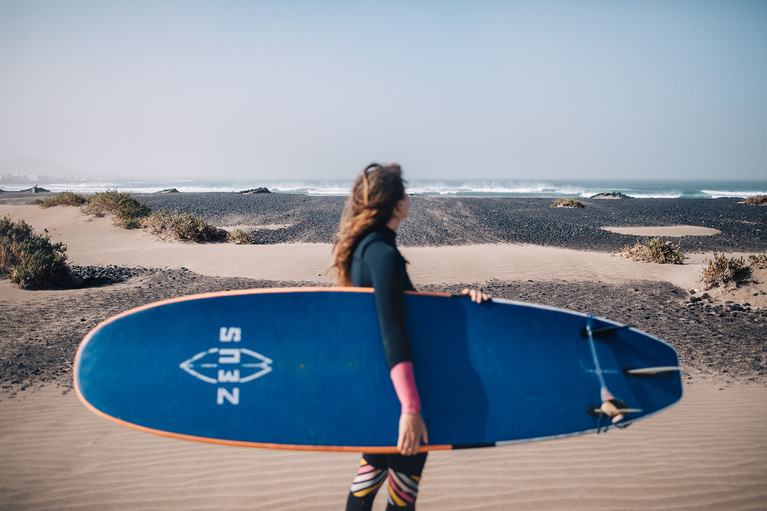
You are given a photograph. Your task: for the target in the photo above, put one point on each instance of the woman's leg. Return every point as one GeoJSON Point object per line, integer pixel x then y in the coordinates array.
{"type": "Point", "coordinates": [370, 476]}
{"type": "Point", "coordinates": [404, 474]}
{"type": "Point", "coordinates": [404, 477]}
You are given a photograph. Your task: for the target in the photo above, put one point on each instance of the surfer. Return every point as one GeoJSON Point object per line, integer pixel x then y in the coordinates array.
{"type": "Point", "coordinates": [365, 255]}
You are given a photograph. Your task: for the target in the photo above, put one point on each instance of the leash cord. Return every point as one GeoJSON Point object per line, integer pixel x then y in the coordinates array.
{"type": "Point", "coordinates": [597, 367]}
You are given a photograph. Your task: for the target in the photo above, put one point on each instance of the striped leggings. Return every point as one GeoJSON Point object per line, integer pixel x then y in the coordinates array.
{"type": "Point", "coordinates": [404, 474]}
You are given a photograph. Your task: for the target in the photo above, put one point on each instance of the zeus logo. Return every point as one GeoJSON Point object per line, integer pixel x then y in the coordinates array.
{"type": "Point", "coordinates": [227, 365]}
{"type": "Point", "coordinates": [229, 334]}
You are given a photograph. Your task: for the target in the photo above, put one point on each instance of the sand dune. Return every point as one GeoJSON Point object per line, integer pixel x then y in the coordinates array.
{"type": "Point", "coordinates": [95, 241]}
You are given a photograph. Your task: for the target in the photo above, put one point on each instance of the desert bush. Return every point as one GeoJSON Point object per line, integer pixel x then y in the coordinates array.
{"type": "Point", "coordinates": [183, 227]}
{"type": "Point", "coordinates": [654, 250]}
{"type": "Point", "coordinates": [64, 199]}
{"type": "Point", "coordinates": [130, 213]}
{"type": "Point", "coordinates": [241, 237]}
{"type": "Point", "coordinates": [127, 211]}
{"type": "Point", "coordinates": [756, 200]}
{"type": "Point", "coordinates": [725, 272]}
{"type": "Point", "coordinates": [567, 203]}
{"type": "Point", "coordinates": [758, 261]}
{"type": "Point", "coordinates": [28, 259]}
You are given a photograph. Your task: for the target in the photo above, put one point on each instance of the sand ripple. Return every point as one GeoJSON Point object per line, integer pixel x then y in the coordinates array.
{"type": "Point", "coordinates": [707, 452]}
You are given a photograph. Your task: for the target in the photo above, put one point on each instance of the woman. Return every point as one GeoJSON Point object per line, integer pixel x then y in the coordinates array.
{"type": "Point", "coordinates": [366, 255]}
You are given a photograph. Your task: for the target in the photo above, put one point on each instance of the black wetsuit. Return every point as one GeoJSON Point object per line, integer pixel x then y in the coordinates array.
{"type": "Point", "coordinates": [378, 264]}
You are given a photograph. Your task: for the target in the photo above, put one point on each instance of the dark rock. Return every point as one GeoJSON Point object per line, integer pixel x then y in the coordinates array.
{"type": "Point", "coordinates": [35, 189]}
{"type": "Point", "coordinates": [260, 189]}
{"type": "Point", "coordinates": [611, 195]}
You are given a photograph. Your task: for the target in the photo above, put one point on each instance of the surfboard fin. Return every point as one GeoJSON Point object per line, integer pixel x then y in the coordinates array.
{"type": "Point", "coordinates": [651, 372]}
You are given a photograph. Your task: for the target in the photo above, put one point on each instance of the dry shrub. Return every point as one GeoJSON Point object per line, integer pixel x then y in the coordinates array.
{"type": "Point", "coordinates": [183, 227]}
{"type": "Point", "coordinates": [64, 199]}
{"type": "Point", "coordinates": [654, 250]}
{"type": "Point", "coordinates": [28, 259]}
{"type": "Point", "coordinates": [241, 237]}
{"type": "Point", "coordinates": [724, 272]}
{"type": "Point", "coordinates": [758, 261]}
{"type": "Point", "coordinates": [127, 211]}
{"type": "Point", "coordinates": [567, 203]}
{"type": "Point", "coordinates": [756, 200]}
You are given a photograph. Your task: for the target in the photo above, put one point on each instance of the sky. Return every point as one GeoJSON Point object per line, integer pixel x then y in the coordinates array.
{"type": "Point", "coordinates": [449, 89]}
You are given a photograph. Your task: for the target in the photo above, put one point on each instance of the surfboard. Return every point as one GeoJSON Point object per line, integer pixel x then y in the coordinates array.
{"type": "Point", "coordinates": [304, 368]}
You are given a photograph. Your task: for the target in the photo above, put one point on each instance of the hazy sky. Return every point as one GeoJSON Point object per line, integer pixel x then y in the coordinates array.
{"type": "Point", "coordinates": [450, 89]}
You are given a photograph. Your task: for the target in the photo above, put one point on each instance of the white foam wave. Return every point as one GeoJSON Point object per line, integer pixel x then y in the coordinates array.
{"type": "Point", "coordinates": [440, 188]}
{"type": "Point", "coordinates": [492, 188]}
{"type": "Point", "coordinates": [719, 194]}
{"type": "Point", "coordinates": [655, 195]}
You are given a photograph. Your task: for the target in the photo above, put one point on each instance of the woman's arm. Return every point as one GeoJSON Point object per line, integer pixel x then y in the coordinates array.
{"type": "Point", "coordinates": [387, 269]}
{"type": "Point", "coordinates": [387, 272]}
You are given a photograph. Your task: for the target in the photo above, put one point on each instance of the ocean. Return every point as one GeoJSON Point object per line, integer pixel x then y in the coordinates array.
{"type": "Point", "coordinates": [668, 189]}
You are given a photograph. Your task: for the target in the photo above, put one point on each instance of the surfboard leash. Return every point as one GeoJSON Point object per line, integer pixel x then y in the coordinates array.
{"type": "Point", "coordinates": [617, 407]}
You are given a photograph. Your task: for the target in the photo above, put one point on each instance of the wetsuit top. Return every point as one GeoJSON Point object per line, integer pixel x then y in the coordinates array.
{"type": "Point", "coordinates": [377, 263]}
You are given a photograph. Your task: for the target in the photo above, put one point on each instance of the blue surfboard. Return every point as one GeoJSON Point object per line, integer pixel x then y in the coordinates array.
{"type": "Point", "coordinates": [304, 368]}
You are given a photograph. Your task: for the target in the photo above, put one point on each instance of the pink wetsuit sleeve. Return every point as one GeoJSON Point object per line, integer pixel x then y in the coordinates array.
{"type": "Point", "coordinates": [404, 385]}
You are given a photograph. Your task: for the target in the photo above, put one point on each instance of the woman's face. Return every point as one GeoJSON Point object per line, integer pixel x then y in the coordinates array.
{"type": "Point", "coordinates": [403, 208]}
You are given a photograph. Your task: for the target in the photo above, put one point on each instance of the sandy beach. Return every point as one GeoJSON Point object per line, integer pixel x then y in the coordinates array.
{"type": "Point", "coordinates": [707, 452]}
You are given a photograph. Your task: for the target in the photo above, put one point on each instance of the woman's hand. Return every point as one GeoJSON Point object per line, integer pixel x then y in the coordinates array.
{"type": "Point", "coordinates": [412, 432]}
{"type": "Point", "coordinates": [476, 295]}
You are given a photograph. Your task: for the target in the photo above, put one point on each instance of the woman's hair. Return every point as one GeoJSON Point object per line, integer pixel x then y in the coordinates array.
{"type": "Point", "coordinates": [371, 203]}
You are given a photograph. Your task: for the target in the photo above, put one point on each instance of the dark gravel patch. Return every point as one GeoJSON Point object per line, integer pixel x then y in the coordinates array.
{"type": "Point", "coordinates": [460, 221]}
{"type": "Point", "coordinates": [723, 344]}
